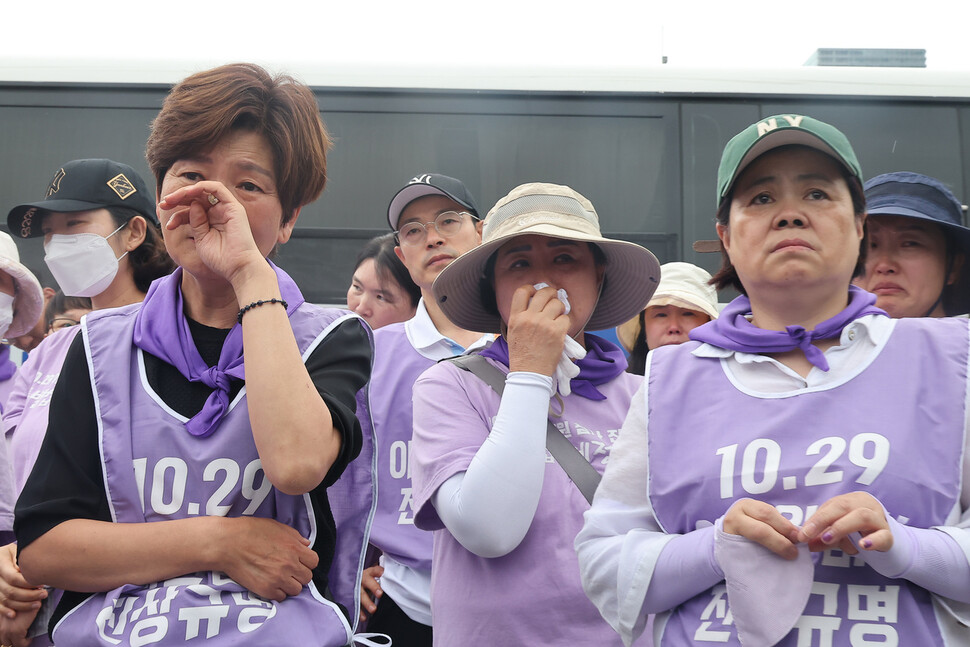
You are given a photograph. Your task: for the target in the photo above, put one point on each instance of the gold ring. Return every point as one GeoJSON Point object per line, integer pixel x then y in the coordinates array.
{"type": "Point", "coordinates": [213, 200]}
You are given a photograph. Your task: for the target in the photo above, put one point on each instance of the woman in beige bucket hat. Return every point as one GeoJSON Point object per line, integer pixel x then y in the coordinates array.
{"type": "Point", "coordinates": [504, 517]}
{"type": "Point", "coordinates": [684, 300]}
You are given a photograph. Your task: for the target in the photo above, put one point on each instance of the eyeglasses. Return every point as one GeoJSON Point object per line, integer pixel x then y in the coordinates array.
{"type": "Point", "coordinates": [447, 224]}
{"type": "Point", "coordinates": [57, 323]}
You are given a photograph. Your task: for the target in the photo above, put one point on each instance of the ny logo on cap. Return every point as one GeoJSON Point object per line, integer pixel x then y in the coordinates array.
{"type": "Point", "coordinates": [122, 186]}
{"type": "Point", "coordinates": [421, 179]}
{"type": "Point", "coordinates": [55, 184]}
{"type": "Point", "coordinates": [766, 126]}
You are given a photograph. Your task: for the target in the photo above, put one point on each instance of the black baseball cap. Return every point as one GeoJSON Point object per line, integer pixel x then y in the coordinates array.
{"type": "Point", "coordinates": [430, 184]}
{"type": "Point", "coordinates": [82, 185]}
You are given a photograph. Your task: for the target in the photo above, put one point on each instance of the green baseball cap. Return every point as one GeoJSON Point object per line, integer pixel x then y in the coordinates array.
{"type": "Point", "coordinates": [781, 130]}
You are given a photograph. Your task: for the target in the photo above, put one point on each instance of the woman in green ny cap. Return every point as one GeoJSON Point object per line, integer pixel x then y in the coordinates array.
{"type": "Point", "coordinates": [790, 495]}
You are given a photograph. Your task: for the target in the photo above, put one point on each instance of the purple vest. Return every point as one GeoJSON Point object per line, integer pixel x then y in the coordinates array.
{"type": "Point", "coordinates": [396, 367]}
{"type": "Point", "coordinates": [25, 420]}
{"type": "Point", "coordinates": [155, 470]}
{"type": "Point", "coordinates": [796, 450]}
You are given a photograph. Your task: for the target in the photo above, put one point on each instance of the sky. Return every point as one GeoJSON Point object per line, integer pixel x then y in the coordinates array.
{"type": "Point", "coordinates": [434, 34]}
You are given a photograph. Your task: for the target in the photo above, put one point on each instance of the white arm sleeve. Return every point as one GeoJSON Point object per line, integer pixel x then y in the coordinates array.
{"type": "Point", "coordinates": [621, 541]}
{"type": "Point", "coordinates": [958, 530]}
{"type": "Point", "coordinates": [489, 507]}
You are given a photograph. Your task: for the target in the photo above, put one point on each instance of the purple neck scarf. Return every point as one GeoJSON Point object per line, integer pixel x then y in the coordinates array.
{"type": "Point", "coordinates": [162, 330]}
{"type": "Point", "coordinates": [733, 331]}
{"type": "Point", "coordinates": [7, 365]}
{"type": "Point", "coordinates": [602, 363]}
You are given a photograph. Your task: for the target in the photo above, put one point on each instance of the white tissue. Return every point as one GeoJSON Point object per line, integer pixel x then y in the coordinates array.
{"type": "Point", "coordinates": [566, 370]}
{"type": "Point", "coordinates": [560, 294]}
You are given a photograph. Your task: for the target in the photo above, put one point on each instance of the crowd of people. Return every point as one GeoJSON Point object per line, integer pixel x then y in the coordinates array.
{"type": "Point", "coordinates": [195, 454]}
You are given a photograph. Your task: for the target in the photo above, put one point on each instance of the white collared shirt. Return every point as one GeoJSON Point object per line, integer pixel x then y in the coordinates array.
{"type": "Point", "coordinates": [430, 343]}
{"type": "Point", "coordinates": [764, 374]}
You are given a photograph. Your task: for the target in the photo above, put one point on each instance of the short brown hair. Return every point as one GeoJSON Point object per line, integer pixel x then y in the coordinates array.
{"type": "Point", "coordinates": [203, 108]}
{"type": "Point", "coordinates": [727, 276]}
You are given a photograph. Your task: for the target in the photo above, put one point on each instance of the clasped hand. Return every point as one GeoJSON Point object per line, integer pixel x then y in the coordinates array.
{"type": "Point", "coordinates": [829, 527]}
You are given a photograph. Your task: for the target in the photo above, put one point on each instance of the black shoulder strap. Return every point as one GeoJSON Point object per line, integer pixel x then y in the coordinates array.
{"type": "Point", "coordinates": [575, 465]}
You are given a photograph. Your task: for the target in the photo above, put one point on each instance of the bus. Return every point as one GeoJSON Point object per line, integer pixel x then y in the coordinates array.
{"type": "Point", "coordinates": [643, 144]}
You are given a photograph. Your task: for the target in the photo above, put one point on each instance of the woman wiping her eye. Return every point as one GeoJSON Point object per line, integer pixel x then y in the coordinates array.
{"type": "Point", "coordinates": [187, 501]}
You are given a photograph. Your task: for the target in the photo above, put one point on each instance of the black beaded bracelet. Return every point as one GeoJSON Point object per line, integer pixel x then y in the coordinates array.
{"type": "Point", "coordinates": [256, 304]}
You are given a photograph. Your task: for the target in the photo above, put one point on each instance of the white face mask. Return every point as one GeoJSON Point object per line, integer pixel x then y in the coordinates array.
{"type": "Point", "coordinates": [84, 265]}
{"type": "Point", "coordinates": [6, 312]}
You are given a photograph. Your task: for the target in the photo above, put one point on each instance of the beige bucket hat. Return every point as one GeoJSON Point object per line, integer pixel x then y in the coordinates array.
{"type": "Point", "coordinates": [28, 303]}
{"type": "Point", "coordinates": [681, 284]}
{"type": "Point", "coordinates": [631, 276]}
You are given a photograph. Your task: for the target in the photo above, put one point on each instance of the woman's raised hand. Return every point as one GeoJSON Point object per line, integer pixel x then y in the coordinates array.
{"type": "Point", "coordinates": [218, 223]}
{"type": "Point", "coordinates": [537, 330]}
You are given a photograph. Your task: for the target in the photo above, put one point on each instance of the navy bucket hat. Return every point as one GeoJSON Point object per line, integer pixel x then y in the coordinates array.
{"type": "Point", "coordinates": [914, 195]}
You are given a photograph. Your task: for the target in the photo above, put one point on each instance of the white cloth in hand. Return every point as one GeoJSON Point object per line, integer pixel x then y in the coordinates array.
{"type": "Point", "coordinates": [567, 369]}
{"type": "Point", "coordinates": [767, 593]}
{"type": "Point", "coordinates": [560, 294]}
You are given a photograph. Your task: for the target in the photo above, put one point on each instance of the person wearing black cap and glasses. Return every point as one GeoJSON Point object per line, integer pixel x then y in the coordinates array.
{"type": "Point", "coordinates": [918, 247]}
{"type": "Point", "coordinates": [101, 240]}
{"type": "Point", "coordinates": [436, 220]}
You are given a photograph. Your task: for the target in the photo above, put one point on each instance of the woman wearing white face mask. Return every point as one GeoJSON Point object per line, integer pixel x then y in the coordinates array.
{"type": "Point", "coordinates": [83, 264]}
{"type": "Point", "coordinates": [101, 236]}
{"type": "Point", "coordinates": [101, 240]}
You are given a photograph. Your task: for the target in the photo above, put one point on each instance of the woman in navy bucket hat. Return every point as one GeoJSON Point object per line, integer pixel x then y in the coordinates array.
{"type": "Point", "coordinates": [918, 246]}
